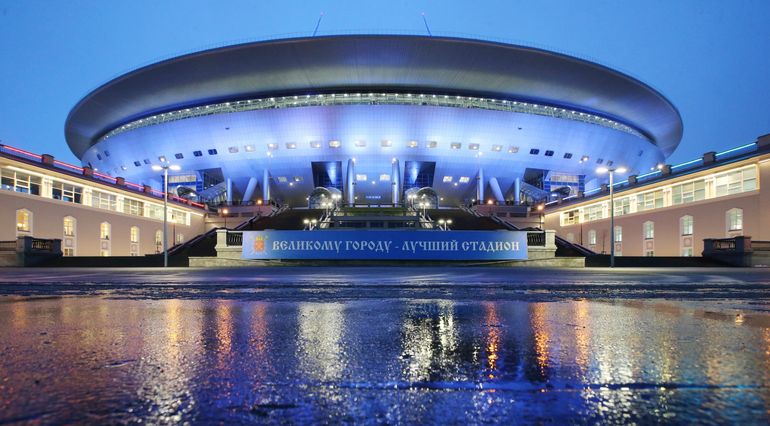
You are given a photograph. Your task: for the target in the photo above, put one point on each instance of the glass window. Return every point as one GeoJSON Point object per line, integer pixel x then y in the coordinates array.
{"type": "Point", "coordinates": [735, 220]}
{"type": "Point", "coordinates": [622, 206]}
{"type": "Point", "coordinates": [685, 225]}
{"type": "Point", "coordinates": [570, 217]}
{"type": "Point", "coordinates": [23, 220]}
{"type": "Point", "coordinates": [69, 226]}
{"type": "Point", "coordinates": [133, 207]}
{"type": "Point", "coordinates": [68, 252]}
{"type": "Point", "coordinates": [104, 200]}
{"type": "Point", "coordinates": [649, 200]}
{"type": "Point", "coordinates": [179, 238]}
{"type": "Point", "coordinates": [649, 230]}
{"type": "Point", "coordinates": [20, 182]}
{"type": "Point", "coordinates": [618, 234]}
{"type": "Point", "coordinates": [104, 231]}
{"type": "Point", "coordinates": [687, 251]}
{"type": "Point", "coordinates": [177, 216]}
{"type": "Point", "coordinates": [134, 235]}
{"type": "Point", "coordinates": [736, 181]}
{"type": "Point", "coordinates": [594, 212]}
{"type": "Point", "coordinates": [688, 192]}
{"type": "Point", "coordinates": [155, 211]}
{"type": "Point", "coordinates": [592, 237]}
{"type": "Point", "coordinates": [66, 192]}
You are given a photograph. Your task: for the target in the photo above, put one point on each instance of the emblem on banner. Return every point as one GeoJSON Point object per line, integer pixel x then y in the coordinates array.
{"type": "Point", "coordinates": [259, 244]}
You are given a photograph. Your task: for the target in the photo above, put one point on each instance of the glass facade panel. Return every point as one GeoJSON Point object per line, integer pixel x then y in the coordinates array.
{"type": "Point", "coordinates": [66, 192]}
{"type": "Point", "coordinates": [20, 182]}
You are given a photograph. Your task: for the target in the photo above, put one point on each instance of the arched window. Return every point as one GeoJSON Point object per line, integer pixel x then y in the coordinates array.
{"type": "Point", "coordinates": [70, 226]}
{"type": "Point", "coordinates": [179, 238]}
{"type": "Point", "coordinates": [618, 234]}
{"type": "Point", "coordinates": [592, 237]}
{"type": "Point", "coordinates": [105, 232]}
{"type": "Point", "coordinates": [685, 225]}
{"type": "Point", "coordinates": [734, 219]}
{"type": "Point", "coordinates": [158, 241]}
{"type": "Point", "coordinates": [649, 230]}
{"type": "Point", "coordinates": [134, 234]}
{"type": "Point", "coordinates": [23, 222]}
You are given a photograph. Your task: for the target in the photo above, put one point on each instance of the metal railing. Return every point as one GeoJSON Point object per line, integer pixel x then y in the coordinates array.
{"type": "Point", "coordinates": [536, 239]}
{"type": "Point", "coordinates": [42, 245]}
{"type": "Point", "coordinates": [724, 244]}
{"type": "Point", "coordinates": [8, 245]}
{"type": "Point", "coordinates": [234, 239]}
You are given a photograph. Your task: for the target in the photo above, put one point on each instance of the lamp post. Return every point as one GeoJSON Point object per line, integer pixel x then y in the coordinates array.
{"type": "Point", "coordinates": [611, 171]}
{"type": "Point", "coordinates": [224, 215]}
{"type": "Point", "coordinates": [165, 167]}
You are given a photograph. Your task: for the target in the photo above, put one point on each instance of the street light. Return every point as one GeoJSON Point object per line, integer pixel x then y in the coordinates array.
{"type": "Point", "coordinates": [611, 171]}
{"type": "Point", "coordinates": [224, 215]}
{"type": "Point", "coordinates": [165, 167]}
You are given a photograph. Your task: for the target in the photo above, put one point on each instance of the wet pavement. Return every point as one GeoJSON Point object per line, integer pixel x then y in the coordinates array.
{"type": "Point", "coordinates": [384, 345]}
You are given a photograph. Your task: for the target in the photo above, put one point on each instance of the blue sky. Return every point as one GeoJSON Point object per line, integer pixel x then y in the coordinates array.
{"type": "Point", "coordinates": [710, 58]}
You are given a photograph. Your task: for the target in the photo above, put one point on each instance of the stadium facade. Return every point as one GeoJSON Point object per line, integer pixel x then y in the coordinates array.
{"type": "Point", "coordinates": [371, 117]}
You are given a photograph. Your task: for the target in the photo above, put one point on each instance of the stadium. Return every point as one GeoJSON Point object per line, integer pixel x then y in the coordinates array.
{"type": "Point", "coordinates": [370, 119]}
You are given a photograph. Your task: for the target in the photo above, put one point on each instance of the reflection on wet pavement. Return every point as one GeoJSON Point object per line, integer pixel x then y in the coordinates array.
{"type": "Point", "coordinates": [93, 359]}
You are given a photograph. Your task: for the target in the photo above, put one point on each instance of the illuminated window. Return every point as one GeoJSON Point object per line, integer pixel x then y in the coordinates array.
{"type": "Point", "coordinates": [592, 237]}
{"type": "Point", "coordinates": [134, 234]}
{"type": "Point", "coordinates": [335, 144]}
{"type": "Point", "coordinates": [297, 178]}
{"type": "Point", "coordinates": [513, 149]}
{"type": "Point", "coordinates": [594, 212]}
{"type": "Point", "coordinates": [282, 179]}
{"type": "Point", "coordinates": [685, 225]}
{"type": "Point", "coordinates": [412, 144]}
{"type": "Point", "coordinates": [104, 230]}
{"type": "Point", "coordinates": [360, 144]}
{"type": "Point", "coordinates": [386, 143]}
{"type": "Point", "coordinates": [473, 147]}
{"type": "Point", "coordinates": [133, 207]}
{"type": "Point", "coordinates": [618, 234]}
{"type": "Point", "coordinates": [104, 200]}
{"type": "Point", "coordinates": [20, 182]}
{"type": "Point", "coordinates": [232, 150]}
{"type": "Point", "coordinates": [384, 177]}
{"type": "Point", "coordinates": [272, 146]}
{"type": "Point", "coordinates": [464, 179]}
{"type": "Point", "coordinates": [23, 221]}
{"type": "Point", "coordinates": [649, 230]}
{"type": "Point", "coordinates": [162, 158]}
{"type": "Point", "coordinates": [734, 220]}
{"type": "Point", "coordinates": [584, 158]}
{"type": "Point", "coordinates": [315, 144]}
{"type": "Point", "coordinates": [737, 181]}
{"type": "Point", "coordinates": [456, 145]}
{"type": "Point", "coordinates": [249, 148]}
{"type": "Point", "coordinates": [447, 179]}
{"type": "Point", "coordinates": [361, 178]}
{"type": "Point", "coordinates": [291, 145]}
{"type": "Point", "coordinates": [497, 148]}
{"type": "Point", "coordinates": [69, 226]}
{"type": "Point", "coordinates": [66, 192]}
{"type": "Point", "coordinates": [179, 238]}
{"type": "Point", "coordinates": [432, 144]}
{"type": "Point", "coordinates": [649, 200]}
{"type": "Point", "coordinates": [158, 241]}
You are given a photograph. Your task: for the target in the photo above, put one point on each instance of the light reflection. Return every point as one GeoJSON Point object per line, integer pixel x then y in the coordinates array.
{"type": "Point", "coordinates": [538, 312]}
{"type": "Point", "coordinates": [493, 327]}
{"type": "Point", "coordinates": [320, 351]}
{"type": "Point", "coordinates": [429, 340]}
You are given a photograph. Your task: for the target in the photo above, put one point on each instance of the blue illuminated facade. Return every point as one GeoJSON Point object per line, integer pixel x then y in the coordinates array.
{"type": "Point", "coordinates": [374, 116]}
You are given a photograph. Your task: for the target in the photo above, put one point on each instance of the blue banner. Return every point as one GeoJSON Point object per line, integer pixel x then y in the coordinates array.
{"type": "Point", "coordinates": [385, 245]}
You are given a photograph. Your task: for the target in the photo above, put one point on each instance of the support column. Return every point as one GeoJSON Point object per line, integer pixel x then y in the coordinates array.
{"type": "Point", "coordinates": [496, 191]}
{"type": "Point", "coordinates": [351, 182]}
{"type": "Point", "coordinates": [517, 191]}
{"type": "Point", "coordinates": [229, 191]}
{"type": "Point", "coordinates": [266, 187]}
{"type": "Point", "coordinates": [250, 187]}
{"type": "Point", "coordinates": [480, 186]}
{"type": "Point", "coordinates": [395, 182]}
